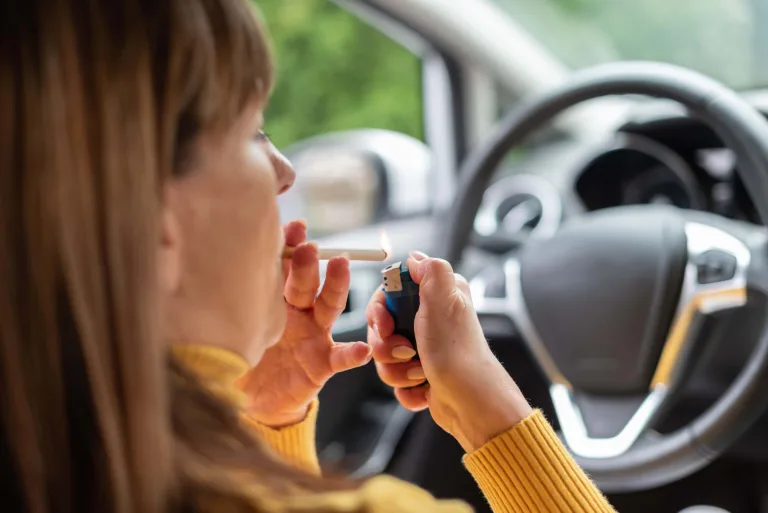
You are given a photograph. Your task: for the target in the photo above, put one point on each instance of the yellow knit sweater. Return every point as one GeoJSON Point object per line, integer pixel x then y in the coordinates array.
{"type": "Point", "coordinates": [526, 469]}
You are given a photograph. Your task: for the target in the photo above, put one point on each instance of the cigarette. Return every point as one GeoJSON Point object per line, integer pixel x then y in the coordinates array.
{"type": "Point", "coordinates": [370, 255]}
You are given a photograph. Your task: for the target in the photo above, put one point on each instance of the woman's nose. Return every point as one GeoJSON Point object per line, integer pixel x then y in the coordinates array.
{"type": "Point", "coordinates": [284, 171]}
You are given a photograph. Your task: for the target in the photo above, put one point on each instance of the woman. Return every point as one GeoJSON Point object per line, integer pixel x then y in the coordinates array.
{"type": "Point", "coordinates": [138, 213]}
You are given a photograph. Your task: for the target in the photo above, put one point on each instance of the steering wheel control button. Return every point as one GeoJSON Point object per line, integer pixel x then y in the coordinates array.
{"type": "Point", "coordinates": [714, 266]}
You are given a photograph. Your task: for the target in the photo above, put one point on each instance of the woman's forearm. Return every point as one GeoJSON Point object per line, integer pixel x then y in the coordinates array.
{"type": "Point", "coordinates": [527, 469]}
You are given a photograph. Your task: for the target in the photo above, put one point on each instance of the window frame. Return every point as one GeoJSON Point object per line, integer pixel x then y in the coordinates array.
{"type": "Point", "coordinates": [442, 94]}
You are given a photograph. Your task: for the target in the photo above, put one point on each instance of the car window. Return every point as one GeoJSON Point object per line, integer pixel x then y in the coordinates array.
{"type": "Point", "coordinates": [336, 72]}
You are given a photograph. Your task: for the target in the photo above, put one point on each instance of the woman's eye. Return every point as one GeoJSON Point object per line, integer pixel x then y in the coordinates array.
{"type": "Point", "coordinates": [261, 136]}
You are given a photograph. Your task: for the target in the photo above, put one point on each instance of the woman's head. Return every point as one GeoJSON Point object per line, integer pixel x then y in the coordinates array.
{"type": "Point", "coordinates": [221, 238]}
{"type": "Point", "coordinates": [220, 254]}
{"type": "Point", "coordinates": [137, 204]}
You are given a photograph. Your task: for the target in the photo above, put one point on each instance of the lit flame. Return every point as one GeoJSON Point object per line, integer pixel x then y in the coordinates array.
{"type": "Point", "coordinates": [386, 244]}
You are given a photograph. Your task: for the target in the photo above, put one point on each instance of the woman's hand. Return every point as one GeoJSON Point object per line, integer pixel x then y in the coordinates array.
{"type": "Point", "coordinates": [292, 372]}
{"type": "Point", "coordinates": [469, 393]}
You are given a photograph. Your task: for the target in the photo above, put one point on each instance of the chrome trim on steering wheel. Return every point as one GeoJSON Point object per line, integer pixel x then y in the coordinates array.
{"type": "Point", "coordinates": [695, 298]}
{"type": "Point", "coordinates": [513, 306]}
{"type": "Point", "coordinates": [575, 430]}
{"type": "Point", "coordinates": [704, 298]}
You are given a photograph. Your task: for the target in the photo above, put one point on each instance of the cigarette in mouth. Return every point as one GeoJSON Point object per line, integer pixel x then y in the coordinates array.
{"type": "Point", "coordinates": [370, 255]}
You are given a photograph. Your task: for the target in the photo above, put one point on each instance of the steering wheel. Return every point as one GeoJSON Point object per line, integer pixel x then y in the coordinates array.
{"type": "Point", "coordinates": [611, 305]}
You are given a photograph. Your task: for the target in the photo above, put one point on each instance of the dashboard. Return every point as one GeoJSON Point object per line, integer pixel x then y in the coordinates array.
{"type": "Point", "coordinates": [660, 155]}
{"type": "Point", "coordinates": [676, 161]}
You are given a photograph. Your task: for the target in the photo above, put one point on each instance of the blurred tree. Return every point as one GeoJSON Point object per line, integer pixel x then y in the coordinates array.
{"type": "Point", "coordinates": [335, 72]}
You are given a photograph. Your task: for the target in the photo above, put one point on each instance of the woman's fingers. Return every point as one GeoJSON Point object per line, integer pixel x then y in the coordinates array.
{"type": "Point", "coordinates": [414, 399]}
{"type": "Point", "coordinates": [333, 298]}
{"type": "Point", "coordinates": [304, 278]}
{"type": "Point", "coordinates": [349, 355]}
{"type": "Point", "coordinates": [401, 375]}
{"type": "Point", "coordinates": [393, 349]}
{"type": "Point", "coordinates": [378, 316]}
{"type": "Point", "coordinates": [435, 277]}
{"type": "Point", "coordinates": [463, 285]}
{"type": "Point", "coordinates": [295, 233]}
{"type": "Point", "coordinates": [437, 274]}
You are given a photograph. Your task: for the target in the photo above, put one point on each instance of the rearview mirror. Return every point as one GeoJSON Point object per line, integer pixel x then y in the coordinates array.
{"type": "Point", "coordinates": [352, 179]}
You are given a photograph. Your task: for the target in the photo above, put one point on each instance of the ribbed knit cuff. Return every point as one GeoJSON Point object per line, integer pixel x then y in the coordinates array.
{"type": "Point", "coordinates": [294, 444]}
{"type": "Point", "coordinates": [528, 469]}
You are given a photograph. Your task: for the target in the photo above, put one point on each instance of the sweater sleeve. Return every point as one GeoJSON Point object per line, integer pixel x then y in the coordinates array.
{"type": "Point", "coordinates": [523, 470]}
{"type": "Point", "coordinates": [528, 469]}
{"type": "Point", "coordinates": [219, 371]}
{"type": "Point", "coordinates": [294, 444]}
{"type": "Point", "coordinates": [507, 494]}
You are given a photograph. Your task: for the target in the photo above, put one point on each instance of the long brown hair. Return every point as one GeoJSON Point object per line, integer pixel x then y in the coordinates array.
{"type": "Point", "coordinates": [100, 101]}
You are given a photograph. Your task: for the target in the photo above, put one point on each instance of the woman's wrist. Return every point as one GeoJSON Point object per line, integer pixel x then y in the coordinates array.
{"type": "Point", "coordinates": [280, 420]}
{"type": "Point", "coordinates": [493, 408]}
{"type": "Point", "coordinates": [498, 420]}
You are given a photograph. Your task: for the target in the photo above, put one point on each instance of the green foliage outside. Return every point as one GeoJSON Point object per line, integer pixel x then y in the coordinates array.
{"type": "Point", "coordinates": [335, 72]}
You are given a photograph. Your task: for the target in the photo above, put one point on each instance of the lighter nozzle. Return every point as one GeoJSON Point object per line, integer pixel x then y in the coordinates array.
{"type": "Point", "coordinates": [391, 278]}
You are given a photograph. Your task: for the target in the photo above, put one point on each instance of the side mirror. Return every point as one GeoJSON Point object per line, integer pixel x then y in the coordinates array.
{"type": "Point", "coordinates": [352, 179]}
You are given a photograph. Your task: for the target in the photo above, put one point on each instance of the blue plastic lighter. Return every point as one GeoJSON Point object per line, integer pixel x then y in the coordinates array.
{"type": "Point", "coordinates": [402, 295]}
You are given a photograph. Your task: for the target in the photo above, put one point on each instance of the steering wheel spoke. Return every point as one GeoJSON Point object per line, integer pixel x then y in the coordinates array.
{"type": "Point", "coordinates": [715, 279]}
{"type": "Point", "coordinates": [577, 416]}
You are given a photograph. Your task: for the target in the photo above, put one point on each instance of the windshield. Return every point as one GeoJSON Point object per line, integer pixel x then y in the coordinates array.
{"type": "Point", "coordinates": [726, 39]}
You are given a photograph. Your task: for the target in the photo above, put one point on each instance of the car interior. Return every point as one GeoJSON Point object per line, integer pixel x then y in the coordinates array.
{"type": "Point", "coordinates": [610, 219]}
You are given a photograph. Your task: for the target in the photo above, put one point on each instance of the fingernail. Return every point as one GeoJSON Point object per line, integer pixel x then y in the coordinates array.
{"type": "Point", "coordinates": [403, 353]}
{"type": "Point", "coordinates": [415, 373]}
{"type": "Point", "coordinates": [344, 257]}
{"type": "Point", "coordinates": [418, 256]}
{"type": "Point", "coordinates": [312, 247]}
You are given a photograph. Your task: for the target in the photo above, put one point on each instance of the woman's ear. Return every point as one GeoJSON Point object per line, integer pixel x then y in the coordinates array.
{"type": "Point", "coordinates": [169, 245]}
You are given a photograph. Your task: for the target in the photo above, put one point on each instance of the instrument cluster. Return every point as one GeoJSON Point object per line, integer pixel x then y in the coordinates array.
{"type": "Point", "coordinates": [682, 164]}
